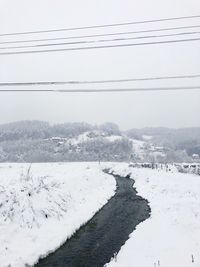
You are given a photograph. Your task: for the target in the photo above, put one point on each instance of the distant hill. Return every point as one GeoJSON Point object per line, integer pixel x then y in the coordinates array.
{"type": "Point", "coordinates": [161, 134]}
{"type": "Point", "coordinates": [38, 141]}
{"type": "Point", "coordinates": [187, 139]}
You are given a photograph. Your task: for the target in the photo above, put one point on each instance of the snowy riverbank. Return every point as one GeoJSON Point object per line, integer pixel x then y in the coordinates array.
{"type": "Point", "coordinates": [171, 236]}
{"type": "Point", "coordinates": [41, 208]}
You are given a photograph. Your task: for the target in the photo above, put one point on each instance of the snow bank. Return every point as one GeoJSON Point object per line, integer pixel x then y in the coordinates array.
{"type": "Point", "coordinates": [171, 237]}
{"type": "Point", "coordinates": [42, 206]}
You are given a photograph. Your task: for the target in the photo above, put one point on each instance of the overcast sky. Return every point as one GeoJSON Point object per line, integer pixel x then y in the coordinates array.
{"type": "Point", "coordinates": [128, 110]}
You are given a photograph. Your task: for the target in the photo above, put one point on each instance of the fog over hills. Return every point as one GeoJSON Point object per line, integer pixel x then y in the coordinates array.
{"type": "Point", "coordinates": [38, 141]}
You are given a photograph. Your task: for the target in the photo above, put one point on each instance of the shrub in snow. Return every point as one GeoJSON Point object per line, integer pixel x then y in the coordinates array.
{"type": "Point", "coordinates": [30, 200]}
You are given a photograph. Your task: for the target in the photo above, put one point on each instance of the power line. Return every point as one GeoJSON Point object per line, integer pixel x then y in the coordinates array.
{"type": "Point", "coordinates": [104, 90]}
{"type": "Point", "coordinates": [41, 45]}
{"type": "Point", "coordinates": [100, 35]}
{"type": "Point", "coordinates": [100, 41]}
{"type": "Point", "coordinates": [98, 47]}
{"type": "Point", "coordinates": [98, 81]}
{"type": "Point", "coordinates": [102, 26]}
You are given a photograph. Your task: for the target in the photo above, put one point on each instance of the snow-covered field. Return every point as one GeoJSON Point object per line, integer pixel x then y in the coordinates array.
{"type": "Point", "coordinates": [171, 237]}
{"type": "Point", "coordinates": [42, 206]}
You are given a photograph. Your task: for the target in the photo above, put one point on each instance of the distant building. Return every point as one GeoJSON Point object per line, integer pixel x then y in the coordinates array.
{"type": "Point", "coordinates": [195, 157]}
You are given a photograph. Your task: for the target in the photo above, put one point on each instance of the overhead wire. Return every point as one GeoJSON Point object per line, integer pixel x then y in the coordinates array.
{"type": "Point", "coordinates": [98, 47]}
{"type": "Point", "coordinates": [45, 83]}
{"type": "Point", "coordinates": [105, 90]}
{"type": "Point", "coordinates": [102, 26]}
{"type": "Point", "coordinates": [101, 41]}
{"type": "Point", "coordinates": [101, 35]}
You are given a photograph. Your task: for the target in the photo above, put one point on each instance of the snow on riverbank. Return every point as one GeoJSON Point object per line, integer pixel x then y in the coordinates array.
{"type": "Point", "coordinates": [40, 208]}
{"type": "Point", "coordinates": [171, 236]}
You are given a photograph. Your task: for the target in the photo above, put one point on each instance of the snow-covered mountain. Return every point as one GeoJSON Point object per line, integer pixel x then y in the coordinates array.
{"type": "Point", "coordinates": [36, 141]}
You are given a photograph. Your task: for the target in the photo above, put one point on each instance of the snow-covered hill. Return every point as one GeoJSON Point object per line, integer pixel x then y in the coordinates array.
{"type": "Point", "coordinates": [33, 141]}
{"type": "Point", "coordinates": [139, 150]}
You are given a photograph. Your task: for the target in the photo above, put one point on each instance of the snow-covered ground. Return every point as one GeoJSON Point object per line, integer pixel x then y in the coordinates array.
{"type": "Point", "coordinates": [171, 236]}
{"type": "Point", "coordinates": [42, 206]}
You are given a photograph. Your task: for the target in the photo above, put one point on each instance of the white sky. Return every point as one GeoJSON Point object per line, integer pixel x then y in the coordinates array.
{"type": "Point", "coordinates": [171, 109]}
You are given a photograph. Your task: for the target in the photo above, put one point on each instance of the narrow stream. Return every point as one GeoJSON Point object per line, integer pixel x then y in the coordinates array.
{"type": "Point", "coordinates": [95, 243]}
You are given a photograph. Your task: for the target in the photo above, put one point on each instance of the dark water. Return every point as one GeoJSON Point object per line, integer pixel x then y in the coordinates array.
{"type": "Point", "coordinates": [95, 243]}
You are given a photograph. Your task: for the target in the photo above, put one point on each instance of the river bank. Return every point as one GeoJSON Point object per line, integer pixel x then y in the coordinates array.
{"type": "Point", "coordinates": [95, 243]}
